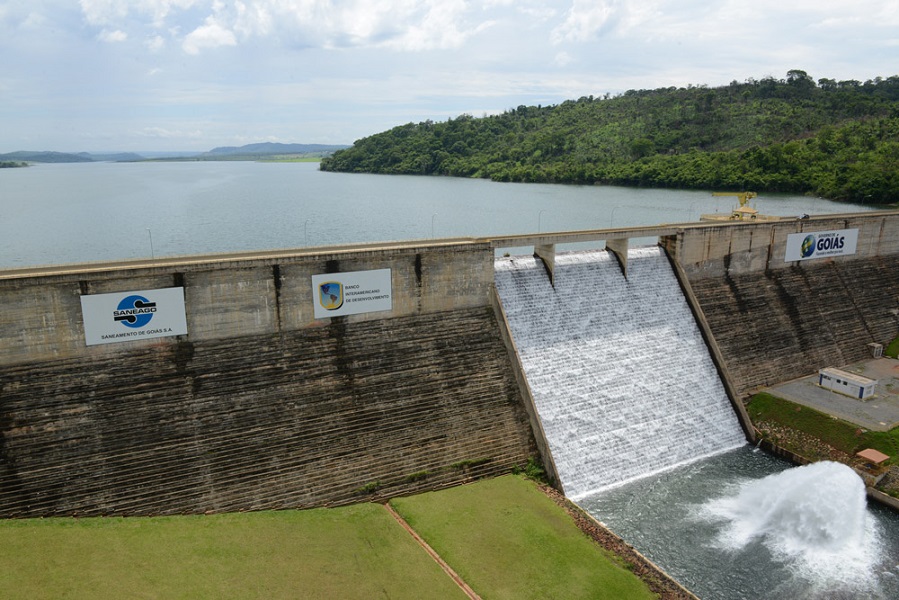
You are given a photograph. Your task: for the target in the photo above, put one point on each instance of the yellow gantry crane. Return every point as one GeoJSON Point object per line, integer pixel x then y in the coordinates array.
{"type": "Point", "coordinates": [742, 212]}
{"type": "Point", "coordinates": [744, 197]}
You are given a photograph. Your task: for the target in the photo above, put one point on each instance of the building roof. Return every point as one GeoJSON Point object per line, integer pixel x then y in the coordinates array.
{"type": "Point", "coordinates": [857, 379]}
{"type": "Point", "coordinates": [872, 455]}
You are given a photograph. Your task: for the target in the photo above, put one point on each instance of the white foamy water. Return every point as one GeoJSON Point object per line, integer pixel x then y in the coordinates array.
{"type": "Point", "coordinates": [814, 517]}
{"type": "Point", "coordinates": [620, 374]}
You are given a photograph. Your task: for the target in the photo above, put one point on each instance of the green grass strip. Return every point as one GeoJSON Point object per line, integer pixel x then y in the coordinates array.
{"type": "Point", "coordinates": [346, 553]}
{"type": "Point", "coordinates": [892, 350]}
{"type": "Point", "coordinates": [506, 539]}
{"type": "Point", "coordinates": [840, 434]}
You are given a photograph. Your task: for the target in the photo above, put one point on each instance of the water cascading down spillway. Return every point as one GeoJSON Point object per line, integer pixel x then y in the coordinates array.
{"type": "Point", "coordinates": [621, 377]}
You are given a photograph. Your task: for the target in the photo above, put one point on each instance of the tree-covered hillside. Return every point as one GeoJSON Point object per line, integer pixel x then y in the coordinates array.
{"type": "Point", "coordinates": [837, 139]}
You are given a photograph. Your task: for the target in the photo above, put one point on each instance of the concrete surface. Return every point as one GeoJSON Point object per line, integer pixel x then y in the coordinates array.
{"type": "Point", "coordinates": [879, 413]}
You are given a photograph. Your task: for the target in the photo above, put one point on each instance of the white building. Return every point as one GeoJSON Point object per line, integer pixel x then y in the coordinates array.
{"type": "Point", "coordinates": [849, 384]}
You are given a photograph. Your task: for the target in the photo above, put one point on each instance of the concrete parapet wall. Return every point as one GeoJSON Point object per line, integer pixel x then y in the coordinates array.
{"type": "Point", "coordinates": [737, 248]}
{"type": "Point", "coordinates": [42, 313]}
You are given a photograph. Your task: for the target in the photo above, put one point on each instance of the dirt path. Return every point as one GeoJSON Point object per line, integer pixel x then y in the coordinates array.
{"type": "Point", "coordinates": [449, 571]}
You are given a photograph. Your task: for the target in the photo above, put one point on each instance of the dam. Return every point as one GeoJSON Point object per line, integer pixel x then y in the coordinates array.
{"type": "Point", "coordinates": [253, 398]}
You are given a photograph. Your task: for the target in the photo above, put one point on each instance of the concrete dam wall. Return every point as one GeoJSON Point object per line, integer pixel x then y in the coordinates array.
{"type": "Point", "coordinates": [260, 405]}
{"type": "Point", "coordinates": [776, 320]}
{"type": "Point", "coordinates": [261, 402]}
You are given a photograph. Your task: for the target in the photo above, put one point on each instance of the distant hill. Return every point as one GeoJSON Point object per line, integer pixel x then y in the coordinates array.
{"type": "Point", "coordinates": [271, 148]}
{"type": "Point", "coordinates": [249, 152]}
{"type": "Point", "coordinates": [45, 157]}
{"type": "Point", "coordinates": [113, 156]}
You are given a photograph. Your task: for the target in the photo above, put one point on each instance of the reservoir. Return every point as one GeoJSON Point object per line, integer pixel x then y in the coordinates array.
{"type": "Point", "coordinates": [84, 212]}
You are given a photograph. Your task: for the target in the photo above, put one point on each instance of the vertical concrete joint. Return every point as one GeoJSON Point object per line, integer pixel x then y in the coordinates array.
{"type": "Point", "coordinates": [276, 277]}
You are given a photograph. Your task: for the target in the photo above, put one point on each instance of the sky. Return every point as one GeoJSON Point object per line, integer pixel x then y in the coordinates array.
{"type": "Point", "coordinates": [190, 75]}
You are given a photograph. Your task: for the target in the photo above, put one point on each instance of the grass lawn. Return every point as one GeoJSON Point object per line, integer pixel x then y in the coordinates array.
{"type": "Point", "coordinates": [842, 435]}
{"type": "Point", "coordinates": [503, 536]}
{"type": "Point", "coordinates": [506, 539]}
{"type": "Point", "coordinates": [353, 552]}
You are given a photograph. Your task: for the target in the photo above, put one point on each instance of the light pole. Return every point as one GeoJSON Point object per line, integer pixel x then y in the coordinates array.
{"type": "Point", "coordinates": [539, 217]}
{"type": "Point", "coordinates": [306, 233]}
{"type": "Point", "coordinates": [612, 218]}
{"type": "Point", "coordinates": [432, 224]}
{"type": "Point", "coordinates": [152, 253]}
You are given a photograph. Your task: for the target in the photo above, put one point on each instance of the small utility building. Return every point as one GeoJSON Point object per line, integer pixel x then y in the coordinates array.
{"type": "Point", "coordinates": [849, 384]}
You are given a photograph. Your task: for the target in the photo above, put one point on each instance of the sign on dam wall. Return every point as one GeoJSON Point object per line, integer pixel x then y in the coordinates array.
{"type": "Point", "coordinates": [125, 316]}
{"type": "Point", "coordinates": [339, 294]}
{"type": "Point", "coordinates": [821, 244]}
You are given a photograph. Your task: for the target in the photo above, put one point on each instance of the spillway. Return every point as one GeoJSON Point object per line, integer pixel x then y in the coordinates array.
{"type": "Point", "coordinates": [620, 374]}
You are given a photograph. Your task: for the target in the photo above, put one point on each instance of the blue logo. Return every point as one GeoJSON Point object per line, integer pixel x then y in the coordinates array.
{"type": "Point", "coordinates": [134, 311]}
{"type": "Point", "coordinates": [330, 295]}
{"type": "Point", "coordinates": [808, 246]}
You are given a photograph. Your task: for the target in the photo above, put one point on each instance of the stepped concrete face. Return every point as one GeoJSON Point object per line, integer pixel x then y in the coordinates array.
{"type": "Point", "coordinates": [775, 320]}
{"type": "Point", "coordinates": [259, 406]}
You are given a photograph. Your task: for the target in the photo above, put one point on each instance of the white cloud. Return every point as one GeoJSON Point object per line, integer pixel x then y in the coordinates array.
{"type": "Point", "coordinates": [112, 36]}
{"type": "Point", "coordinates": [255, 18]}
{"type": "Point", "coordinates": [163, 133]}
{"type": "Point", "coordinates": [103, 12]}
{"type": "Point", "coordinates": [584, 20]}
{"type": "Point", "coordinates": [406, 25]}
{"type": "Point", "coordinates": [442, 27]}
{"type": "Point", "coordinates": [21, 15]}
{"type": "Point", "coordinates": [209, 35]}
{"type": "Point", "coordinates": [107, 12]}
{"type": "Point", "coordinates": [155, 43]}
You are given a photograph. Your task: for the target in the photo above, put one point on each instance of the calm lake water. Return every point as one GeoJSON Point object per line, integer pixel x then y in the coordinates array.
{"type": "Point", "coordinates": [65, 213]}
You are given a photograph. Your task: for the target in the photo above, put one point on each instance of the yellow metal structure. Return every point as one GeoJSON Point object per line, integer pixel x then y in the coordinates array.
{"type": "Point", "coordinates": [744, 197]}
{"type": "Point", "coordinates": [741, 212]}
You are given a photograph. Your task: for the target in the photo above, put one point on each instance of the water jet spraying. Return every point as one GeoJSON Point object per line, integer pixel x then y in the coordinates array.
{"type": "Point", "coordinates": [812, 516]}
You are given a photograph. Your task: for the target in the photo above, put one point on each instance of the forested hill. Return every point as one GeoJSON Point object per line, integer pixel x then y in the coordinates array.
{"type": "Point", "coordinates": [836, 139]}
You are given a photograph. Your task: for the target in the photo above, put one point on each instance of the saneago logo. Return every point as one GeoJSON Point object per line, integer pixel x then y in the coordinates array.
{"type": "Point", "coordinates": [808, 246]}
{"type": "Point", "coordinates": [134, 311]}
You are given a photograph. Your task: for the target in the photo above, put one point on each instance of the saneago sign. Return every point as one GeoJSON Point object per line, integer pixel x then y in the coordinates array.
{"type": "Point", "coordinates": [821, 244]}
{"type": "Point", "coordinates": [126, 316]}
{"type": "Point", "coordinates": [337, 294]}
